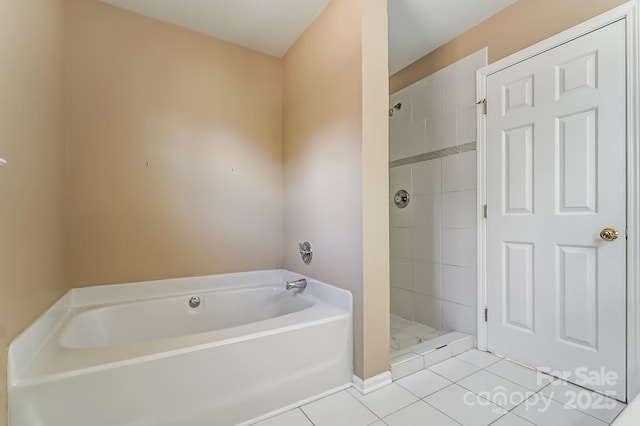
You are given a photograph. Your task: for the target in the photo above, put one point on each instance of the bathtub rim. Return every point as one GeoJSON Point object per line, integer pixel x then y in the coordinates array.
{"type": "Point", "coordinates": [27, 345]}
{"type": "Point", "coordinates": [161, 354]}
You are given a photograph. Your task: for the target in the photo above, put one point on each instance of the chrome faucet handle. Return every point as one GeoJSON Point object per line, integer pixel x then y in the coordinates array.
{"type": "Point", "coordinates": [306, 251]}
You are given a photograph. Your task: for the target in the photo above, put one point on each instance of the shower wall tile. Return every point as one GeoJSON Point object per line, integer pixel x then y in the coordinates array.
{"type": "Point", "coordinates": [460, 285]}
{"type": "Point", "coordinates": [400, 178]}
{"type": "Point", "coordinates": [459, 172]}
{"type": "Point", "coordinates": [449, 84]}
{"type": "Point", "coordinates": [426, 244]}
{"type": "Point", "coordinates": [402, 303]}
{"type": "Point", "coordinates": [427, 177]}
{"type": "Point", "coordinates": [427, 278]}
{"type": "Point", "coordinates": [403, 97]}
{"type": "Point", "coordinates": [459, 247]}
{"type": "Point", "coordinates": [427, 98]}
{"type": "Point", "coordinates": [438, 111]}
{"type": "Point", "coordinates": [401, 242]}
{"type": "Point", "coordinates": [427, 211]}
{"type": "Point", "coordinates": [410, 140]}
{"type": "Point", "coordinates": [427, 310]}
{"type": "Point", "coordinates": [401, 271]}
{"type": "Point", "coordinates": [405, 130]}
{"type": "Point", "coordinates": [467, 126]}
{"type": "Point", "coordinates": [433, 240]}
{"type": "Point", "coordinates": [442, 131]}
{"type": "Point", "coordinates": [399, 218]}
{"type": "Point", "coordinates": [459, 318]}
{"type": "Point", "coordinates": [401, 119]}
{"type": "Point", "coordinates": [459, 209]}
{"type": "Point", "coordinates": [466, 78]}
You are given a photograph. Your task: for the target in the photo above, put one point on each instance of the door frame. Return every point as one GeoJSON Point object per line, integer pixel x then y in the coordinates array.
{"type": "Point", "coordinates": [631, 13]}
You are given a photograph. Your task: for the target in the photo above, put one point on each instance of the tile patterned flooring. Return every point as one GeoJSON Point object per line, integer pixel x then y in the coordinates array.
{"type": "Point", "coordinates": [471, 389]}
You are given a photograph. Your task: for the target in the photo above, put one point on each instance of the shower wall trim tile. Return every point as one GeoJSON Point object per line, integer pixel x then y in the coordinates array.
{"type": "Point", "coordinates": [471, 146]}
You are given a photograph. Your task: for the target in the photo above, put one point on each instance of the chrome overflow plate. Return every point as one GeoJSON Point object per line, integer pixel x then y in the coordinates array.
{"type": "Point", "coordinates": [401, 199]}
{"type": "Point", "coordinates": [194, 302]}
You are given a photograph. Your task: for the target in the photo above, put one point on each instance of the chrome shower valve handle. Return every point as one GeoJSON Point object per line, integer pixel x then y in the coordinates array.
{"type": "Point", "coordinates": [306, 252]}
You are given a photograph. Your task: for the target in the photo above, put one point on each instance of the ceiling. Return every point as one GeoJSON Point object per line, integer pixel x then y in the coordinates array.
{"type": "Point", "coordinates": [270, 26]}
{"type": "Point", "coordinates": [416, 27]}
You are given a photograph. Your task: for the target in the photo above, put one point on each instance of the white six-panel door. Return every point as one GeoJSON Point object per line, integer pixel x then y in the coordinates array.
{"type": "Point", "coordinates": [555, 170]}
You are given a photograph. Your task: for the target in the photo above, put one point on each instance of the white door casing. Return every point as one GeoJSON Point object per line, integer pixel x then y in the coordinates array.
{"type": "Point", "coordinates": [555, 177]}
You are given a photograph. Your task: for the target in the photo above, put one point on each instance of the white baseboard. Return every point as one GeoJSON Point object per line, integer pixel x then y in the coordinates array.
{"type": "Point", "coordinates": [372, 383]}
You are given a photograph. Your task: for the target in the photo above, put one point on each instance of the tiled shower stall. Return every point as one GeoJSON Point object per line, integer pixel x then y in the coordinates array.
{"type": "Point", "coordinates": [433, 239]}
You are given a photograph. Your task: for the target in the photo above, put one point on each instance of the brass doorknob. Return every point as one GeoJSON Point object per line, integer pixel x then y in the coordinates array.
{"type": "Point", "coordinates": [608, 234]}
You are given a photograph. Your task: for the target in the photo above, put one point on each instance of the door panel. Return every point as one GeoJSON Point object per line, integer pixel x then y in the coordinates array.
{"type": "Point", "coordinates": [518, 170]}
{"type": "Point", "coordinates": [577, 295]}
{"type": "Point", "coordinates": [518, 285]}
{"type": "Point", "coordinates": [577, 162]}
{"type": "Point", "coordinates": [556, 291]}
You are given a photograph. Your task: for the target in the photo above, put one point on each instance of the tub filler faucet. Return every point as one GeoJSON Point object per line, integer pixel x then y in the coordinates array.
{"type": "Point", "coordinates": [301, 283]}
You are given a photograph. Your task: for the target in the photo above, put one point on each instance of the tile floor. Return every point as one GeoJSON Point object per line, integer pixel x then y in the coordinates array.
{"type": "Point", "coordinates": [471, 389]}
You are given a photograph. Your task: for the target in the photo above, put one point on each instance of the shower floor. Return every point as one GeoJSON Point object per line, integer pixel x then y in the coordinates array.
{"type": "Point", "coordinates": [405, 334]}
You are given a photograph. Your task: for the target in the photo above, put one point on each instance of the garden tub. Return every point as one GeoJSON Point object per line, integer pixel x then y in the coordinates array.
{"type": "Point", "coordinates": [217, 350]}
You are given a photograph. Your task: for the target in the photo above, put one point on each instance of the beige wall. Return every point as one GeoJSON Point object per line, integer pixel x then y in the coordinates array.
{"type": "Point", "coordinates": [324, 126]}
{"type": "Point", "coordinates": [174, 157]}
{"type": "Point", "coordinates": [174, 149]}
{"type": "Point", "coordinates": [322, 142]}
{"type": "Point", "coordinates": [518, 26]}
{"type": "Point", "coordinates": [32, 189]}
{"type": "Point", "coordinates": [375, 184]}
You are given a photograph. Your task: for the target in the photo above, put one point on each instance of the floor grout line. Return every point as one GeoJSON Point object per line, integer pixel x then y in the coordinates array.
{"type": "Point", "coordinates": [578, 409]}
{"type": "Point", "coordinates": [363, 404]}
{"type": "Point", "coordinates": [305, 414]}
{"type": "Point", "coordinates": [437, 409]}
{"type": "Point", "coordinates": [532, 394]}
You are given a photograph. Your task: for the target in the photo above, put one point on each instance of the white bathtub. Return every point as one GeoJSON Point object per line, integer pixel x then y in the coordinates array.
{"type": "Point", "coordinates": [138, 354]}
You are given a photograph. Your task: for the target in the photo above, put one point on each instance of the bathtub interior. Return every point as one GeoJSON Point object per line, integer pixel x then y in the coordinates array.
{"type": "Point", "coordinates": [279, 358]}
{"type": "Point", "coordinates": [127, 323]}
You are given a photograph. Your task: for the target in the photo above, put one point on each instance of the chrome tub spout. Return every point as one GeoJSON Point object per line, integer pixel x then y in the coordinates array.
{"type": "Point", "coordinates": [301, 283]}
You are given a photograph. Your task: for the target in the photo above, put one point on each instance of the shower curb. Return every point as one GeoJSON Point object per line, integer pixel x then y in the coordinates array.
{"type": "Point", "coordinates": [431, 352]}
